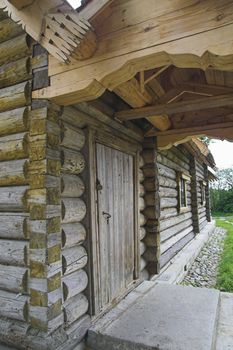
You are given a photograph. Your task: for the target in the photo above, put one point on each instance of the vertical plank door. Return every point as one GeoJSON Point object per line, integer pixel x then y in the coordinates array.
{"type": "Point", "coordinates": [115, 210]}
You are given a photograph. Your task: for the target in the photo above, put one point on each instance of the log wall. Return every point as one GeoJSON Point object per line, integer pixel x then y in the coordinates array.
{"type": "Point", "coordinates": [202, 213]}
{"type": "Point", "coordinates": [74, 184]}
{"type": "Point", "coordinates": [176, 227]}
{"type": "Point", "coordinates": [15, 100]}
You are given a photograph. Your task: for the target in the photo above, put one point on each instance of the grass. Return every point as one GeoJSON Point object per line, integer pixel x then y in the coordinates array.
{"type": "Point", "coordinates": [225, 271]}
{"type": "Point", "coordinates": [221, 214]}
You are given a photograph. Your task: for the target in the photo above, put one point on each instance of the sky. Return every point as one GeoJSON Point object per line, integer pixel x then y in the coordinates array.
{"type": "Point", "coordinates": [222, 152]}
{"type": "Point", "coordinates": [74, 3]}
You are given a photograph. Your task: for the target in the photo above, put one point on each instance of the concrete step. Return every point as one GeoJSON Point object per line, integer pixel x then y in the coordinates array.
{"type": "Point", "coordinates": [160, 317]}
{"type": "Point", "coordinates": [225, 323]}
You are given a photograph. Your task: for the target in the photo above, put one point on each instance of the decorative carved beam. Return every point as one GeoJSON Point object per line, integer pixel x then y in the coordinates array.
{"type": "Point", "coordinates": [177, 107]}
{"type": "Point", "coordinates": [167, 139]}
{"type": "Point", "coordinates": [55, 25]}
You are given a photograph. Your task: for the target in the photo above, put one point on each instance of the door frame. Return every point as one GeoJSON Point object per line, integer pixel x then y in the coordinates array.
{"type": "Point", "coordinates": [133, 148]}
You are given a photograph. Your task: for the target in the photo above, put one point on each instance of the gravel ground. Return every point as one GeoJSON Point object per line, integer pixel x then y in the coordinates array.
{"type": "Point", "coordinates": [203, 272]}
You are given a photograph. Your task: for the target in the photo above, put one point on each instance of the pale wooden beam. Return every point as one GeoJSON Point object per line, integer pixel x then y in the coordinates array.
{"type": "Point", "coordinates": [131, 93]}
{"type": "Point", "coordinates": [94, 8]}
{"type": "Point", "coordinates": [177, 107]}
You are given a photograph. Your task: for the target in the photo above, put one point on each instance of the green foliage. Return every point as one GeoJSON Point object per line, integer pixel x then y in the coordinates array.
{"type": "Point", "coordinates": [225, 271]}
{"type": "Point", "coordinates": [221, 192]}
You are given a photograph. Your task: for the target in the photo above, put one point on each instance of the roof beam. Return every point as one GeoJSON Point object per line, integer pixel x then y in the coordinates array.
{"type": "Point", "coordinates": [20, 4]}
{"type": "Point", "coordinates": [177, 107]}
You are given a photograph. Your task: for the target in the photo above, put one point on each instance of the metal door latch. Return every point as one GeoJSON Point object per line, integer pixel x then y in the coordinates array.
{"type": "Point", "coordinates": [107, 216]}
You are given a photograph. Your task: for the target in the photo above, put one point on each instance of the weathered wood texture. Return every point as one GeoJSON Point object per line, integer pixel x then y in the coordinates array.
{"type": "Point", "coordinates": [152, 205]}
{"type": "Point", "coordinates": [175, 226]}
{"type": "Point", "coordinates": [73, 212]}
{"type": "Point", "coordinates": [15, 96]}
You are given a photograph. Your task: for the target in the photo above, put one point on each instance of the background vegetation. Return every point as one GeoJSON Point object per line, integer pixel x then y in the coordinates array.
{"type": "Point", "coordinates": [221, 192]}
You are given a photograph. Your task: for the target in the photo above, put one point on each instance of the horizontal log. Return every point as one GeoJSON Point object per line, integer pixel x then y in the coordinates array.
{"type": "Point", "coordinates": [9, 29]}
{"type": "Point", "coordinates": [74, 283]}
{"type": "Point", "coordinates": [14, 121]}
{"type": "Point", "coordinates": [13, 49]}
{"type": "Point", "coordinates": [72, 138]}
{"type": "Point", "coordinates": [149, 156]}
{"type": "Point", "coordinates": [142, 219]}
{"type": "Point", "coordinates": [140, 175]}
{"type": "Point", "coordinates": [13, 252]}
{"type": "Point", "coordinates": [167, 192]}
{"type": "Point", "coordinates": [72, 162]}
{"type": "Point", "coordinates": [150, 212]}
{"type": "Point", "coordinates": [142, 248]}
{"type": "Point", "coordinates": [172, 163]}
{"type": "Point", "coordinates": [166, 182]}
{"type": "Point", "coordinates": [72, 186]}
{"type": "Point", "coordinates": [143, 264]}
{"type": "Point", "coordinates": [72, 210]}
{"type": "Point", "coordinates": [15, 72]}
{"type": "Point", "coordinates": [150, 170]}
{"type": "Point", "coordinates": [141, 190]}
{"type": "Point", "coordinates": [15, 96]}
{"type": "Point", "coordinates": [172, 231]}
{"type": "Point", "coordinates": [15, 225]}
{"type": "Point", "coordinates": [150, 184]}
{"type": "Point", "coordinates": [13, 306]}
{"type": "Point", "coordinates": [170, 253]}
{"type": "Point", "coordinates": [166, 171]}
{"type": "Point", "coordinates": [142, 233]}
{"type": "Point", "coordinates": [167, 213]}
{"type": "Point", "coordinates": [13, 146]}
{"type": "Point", "coordinates": [151, 199]}
{"type": "Point", "coordinates": [14, 172]}
{"type": "Point", "coordinates": [174, 239]}
{"type": "Point", "coordinates": [13, 279]}
{"type": "Point", "coordinates": [74, 233]}
{"type": "Point", "coordinates": [13, 198]}
{"type": "Point", "coordinates": [141, 204]}
{"type": "Point", "coordinates": [141, 162]}
{"type": "Point", "coordinates": [164, 224]}
{"type": "Point", "coordinates": [74, 308]}
{"type": "Point", "coordinates": [168, 202]}
{"type": "Point", "coordinates": [73, 259]}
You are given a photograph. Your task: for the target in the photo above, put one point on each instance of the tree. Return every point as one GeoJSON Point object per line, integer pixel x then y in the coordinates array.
{"type": "Point", "coordinates": [221, 192]}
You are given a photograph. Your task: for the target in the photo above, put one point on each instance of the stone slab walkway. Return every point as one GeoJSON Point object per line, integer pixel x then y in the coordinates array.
{"type": "Point", "coordinates": [160, 317]}
{"type": "Point", "coordinates": [203, 272]}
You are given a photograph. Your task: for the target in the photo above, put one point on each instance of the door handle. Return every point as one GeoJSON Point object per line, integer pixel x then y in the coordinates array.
{"type": "Point", "coordinates": [107, 216]}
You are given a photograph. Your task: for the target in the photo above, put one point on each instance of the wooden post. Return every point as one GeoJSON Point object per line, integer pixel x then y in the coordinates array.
{"type": "Point", "coordinates": [194, 195]}
{"type": "Point", "coordinates": [152, 208]}
{"type": "Point", "coordinates": [207, 194]}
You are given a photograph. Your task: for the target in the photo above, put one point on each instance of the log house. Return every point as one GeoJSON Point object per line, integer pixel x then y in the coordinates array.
{"type": "Point", "coordinates": [103, 177]}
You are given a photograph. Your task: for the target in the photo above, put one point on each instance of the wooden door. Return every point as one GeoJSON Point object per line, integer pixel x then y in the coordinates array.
{"type": "Point", "coordinates": [115, 211]}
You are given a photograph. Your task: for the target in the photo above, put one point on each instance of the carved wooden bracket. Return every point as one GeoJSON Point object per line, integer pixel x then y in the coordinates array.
{"type": "Point", "coordinates": [55, 25]}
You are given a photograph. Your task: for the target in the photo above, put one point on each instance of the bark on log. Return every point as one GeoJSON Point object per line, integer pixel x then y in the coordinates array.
{"type": "Point", "coordinates": [74, 308]}
{"type": "Point", "coordinates": [13, 49]}
{"type": "Point", "coordinates": [72, 234]}
{"type": "Point", "coordinates": [14, 121]}
{"type": "Point", "coordinates": [15, 226]}
{"type": "Point", "coordinates": [14, 72]}
{"type": "Point", "coordinates": [13, 252]}
{"type": "Point", "coordinates": [14, 172]}
{"type": "Point", "coordinates": [72, 162]}
{"type": "Point", "coordinates": [13, 146]}
{"type": "Point", "coordinates": [13, 279]}
{"type": "Point", "coordinates": [15, 96]}
{"type": "Point", "coordinates": [13, 198]}
{"type": "Point", "coordinates": [72, 186]}
{"type": "Point", "coordinates": [72, 138]}
{"type": "Point", "coordinates": [73, 259]}
{"type": "Point", "coordinates": [74, 284]}
{"type": "Point", "coordinates": [13, 306]}
{"type": "Point", "coordinates": [9, 29]}
{"type": "Point", "coordinates": [72, 210]}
